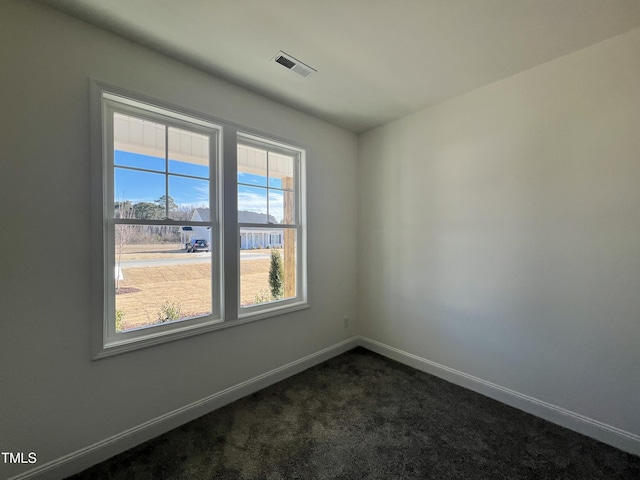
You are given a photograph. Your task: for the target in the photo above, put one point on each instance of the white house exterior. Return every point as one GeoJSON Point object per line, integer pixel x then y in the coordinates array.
{"type": "Point", "coordinates": [250, 238]}
{"type": "Point", "coordinates": [258, 238]}
{"type": "Point", "coordinates": [199, 232]}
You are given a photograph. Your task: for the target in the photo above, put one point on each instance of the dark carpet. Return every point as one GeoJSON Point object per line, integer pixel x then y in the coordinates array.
{"type": "Point", "coordinates": [363, 416]}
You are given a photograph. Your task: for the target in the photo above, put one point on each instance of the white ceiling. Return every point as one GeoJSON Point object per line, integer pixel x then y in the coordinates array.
{"type": "Point", "coordinates": [377, 60]}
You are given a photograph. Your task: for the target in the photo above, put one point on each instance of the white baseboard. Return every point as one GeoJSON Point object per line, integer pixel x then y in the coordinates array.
{"type": "Point", "coordinates": [100, 451]}
{"type": "Point", "coordinates": [616, 437]}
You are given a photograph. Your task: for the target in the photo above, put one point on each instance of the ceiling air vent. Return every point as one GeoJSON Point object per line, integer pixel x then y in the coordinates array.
{"type": "Point", "coordinates": [291, 63]}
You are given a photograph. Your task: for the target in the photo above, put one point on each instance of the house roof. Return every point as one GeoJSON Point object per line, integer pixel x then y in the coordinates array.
{"type": "Point", "coordinates": [243, 216]}
{"type": "Point", "coordinates": [255, 217]}
{"type": "Point", "coordinates": [203, 213]}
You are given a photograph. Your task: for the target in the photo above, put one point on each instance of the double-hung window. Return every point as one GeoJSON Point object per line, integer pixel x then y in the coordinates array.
{"type": "Point", "coordinates": [171, 203]}
{"type": "Point", "coordinates": [270, 223]}
{"type": "Point", "coordinates": [160, 169]}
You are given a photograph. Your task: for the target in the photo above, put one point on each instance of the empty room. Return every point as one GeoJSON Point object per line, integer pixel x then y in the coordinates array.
{"type": "Point", "coordinates": [320, 239]}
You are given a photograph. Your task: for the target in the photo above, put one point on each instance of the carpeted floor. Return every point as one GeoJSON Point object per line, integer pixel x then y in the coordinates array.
{"type": "Point", "coordinates": [362, 416]}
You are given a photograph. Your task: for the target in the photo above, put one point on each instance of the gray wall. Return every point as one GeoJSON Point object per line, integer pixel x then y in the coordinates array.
{"type": "Point", "coordinates": [59, 400]}
{"type": "Point", "coordinates": [499, 233]}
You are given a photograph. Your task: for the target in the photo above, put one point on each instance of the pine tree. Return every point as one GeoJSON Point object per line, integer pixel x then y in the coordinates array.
{"type": "Point", "coordinates": [276, 275]}
{"type": "Point", "coordinates": [162, 203]}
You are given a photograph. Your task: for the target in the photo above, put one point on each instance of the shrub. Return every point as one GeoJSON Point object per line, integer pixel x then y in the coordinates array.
{"type": "Point", "coordinates": [119, 317]}
{"type": "Point", "coordinates": [263, 297]}
{"type": "Point", "coordinates": [276, 275]}
{"type": "Point", "coordinates": [169, 311]}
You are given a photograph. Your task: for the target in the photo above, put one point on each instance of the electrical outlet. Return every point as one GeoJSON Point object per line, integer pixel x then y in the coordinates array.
{"type": "Point", "coordinates": [345, 322]}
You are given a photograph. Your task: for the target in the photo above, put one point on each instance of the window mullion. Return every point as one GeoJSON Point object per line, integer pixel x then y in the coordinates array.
{"type": "Point", "coordinates": [166, 171]}
{"type": "Point", "coordinates": [268, 209]}
{"type": "Point", "coordinates": [231, 232]}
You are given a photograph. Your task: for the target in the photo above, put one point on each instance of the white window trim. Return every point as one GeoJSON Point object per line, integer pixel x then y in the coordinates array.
{"type": "Point", "coordinates": [223, 195]}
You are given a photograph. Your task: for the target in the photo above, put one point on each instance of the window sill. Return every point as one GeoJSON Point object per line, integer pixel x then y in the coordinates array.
{"type": "Point", "coordinates": [270, 312]}
{"type": "Point", "coordinates": [117, 347]}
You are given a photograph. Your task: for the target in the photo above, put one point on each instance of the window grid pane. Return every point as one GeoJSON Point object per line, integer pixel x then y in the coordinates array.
{"type": "Point", "coordinates": [182, 179]}
{"type": "Point", "coordinates": [267, 267]}
{"type": "Point", "coordinates": [266, 186]}
{"type": "Point", "coordinates": [152, 285]}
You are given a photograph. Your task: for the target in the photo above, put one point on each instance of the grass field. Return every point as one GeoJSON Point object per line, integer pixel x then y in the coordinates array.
{"type": "Point", "coordinates": [144, 290]}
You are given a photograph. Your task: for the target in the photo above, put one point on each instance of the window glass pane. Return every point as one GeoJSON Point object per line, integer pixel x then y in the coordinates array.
{"type": "Point", "coordinates": [135, 186]}
{"type": "Point", "coordinates": [267, 265]}
{"type": "Point", "coordinates": [186, 168]}
{"type": "Point", "coordinates": [252, 205]}
{"type": "Point", "coordinates": [156, 280]}
{"type": "Point", "coordinates": [280, 171]}
{"type": "Point", "coordinates": [138, 143]}
{"type": "Point", "coordinates": [185, 194]}
{"type": "Point", "coordinates": [252, 166]}
{"type": "Point", "coordinates": [188, 153]}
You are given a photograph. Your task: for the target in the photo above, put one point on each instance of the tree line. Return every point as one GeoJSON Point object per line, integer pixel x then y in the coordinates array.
{"type": "Point", "coordinates": [156, 210]}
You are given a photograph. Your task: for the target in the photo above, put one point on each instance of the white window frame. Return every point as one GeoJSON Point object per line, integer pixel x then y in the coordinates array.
{"type": "Point", "coordinates": [300, 300]}
{"type": "Point", "coordinates": [224, 222]}
{"type": "Point", "coordinates": [107, 341]}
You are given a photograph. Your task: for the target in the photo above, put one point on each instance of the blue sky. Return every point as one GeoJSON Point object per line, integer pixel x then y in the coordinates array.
{"type": "Point", "coordinates": [142, 186]}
